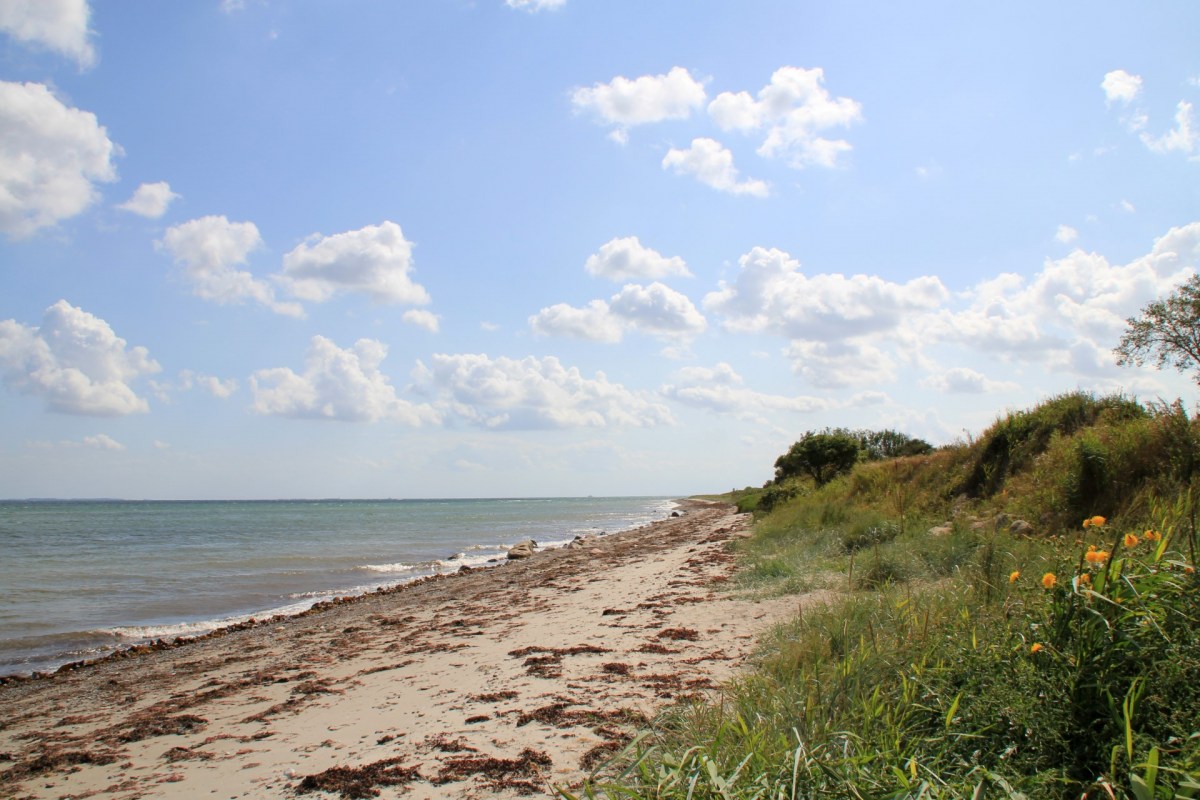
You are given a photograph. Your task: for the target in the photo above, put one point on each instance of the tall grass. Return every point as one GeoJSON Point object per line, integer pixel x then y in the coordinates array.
{"type": "Point", "coordinates": [972, 663]}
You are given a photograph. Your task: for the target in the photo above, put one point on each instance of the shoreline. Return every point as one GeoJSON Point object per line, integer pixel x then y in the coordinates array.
{"type": "Point", "coordinates": [66, 641]}
{"type": "Point", "coordinates": [500, 681]}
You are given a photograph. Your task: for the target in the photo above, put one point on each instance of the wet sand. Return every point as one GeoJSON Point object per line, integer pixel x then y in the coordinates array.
{"type": "Point", "coordinates": [500, 682]}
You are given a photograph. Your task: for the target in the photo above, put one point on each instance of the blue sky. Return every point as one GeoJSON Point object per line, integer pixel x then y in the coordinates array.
{"type": "Point", "coordinates": [268, 249]}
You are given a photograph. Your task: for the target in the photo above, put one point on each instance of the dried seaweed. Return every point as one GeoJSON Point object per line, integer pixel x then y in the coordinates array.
{"type": "Point", "coordinates": [360, 782]}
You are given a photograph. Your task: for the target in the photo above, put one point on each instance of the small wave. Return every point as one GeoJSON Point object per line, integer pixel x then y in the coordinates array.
{"type": "Point", "coordinates": [169, 631]}
{"type": "Point", "coordinates": [387, 568]}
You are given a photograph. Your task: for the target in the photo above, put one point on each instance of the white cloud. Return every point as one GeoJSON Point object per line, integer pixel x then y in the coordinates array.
{"type": "Point", "coordinates": [772, 295]}
{"type": "Point", "coordinates": [1077, 304]}
{"type": "Point", "coordinates": [375, 260]}
{"type": "Point", "coordinates": [795, 109]}
{"type": "Point", "coordinates": [50, 157]}
{"type": "Point", "coordinates": [150, 200]}
{"type": "Point", "coordinates": [58, 25]}
{"type": "Point", "coordinates": [103, 441]}
{"type": "Point", "coordinates": [870, 397]}
{"type": "Point", "coordinates": [651, 98]}
{"type": "Point", "coordinates": [628, 259]}
{"type": "Point", "coordinates": [593, 322]}
{"type": "Point", "coordinates": [712, 164]}
{"type": "Point", "coordinates": [422, 319]}
{"type": "Point", "coordinates": [75, 362]}
{"type": "Point", "coordinates": [337, 384]}
{"type": "Point", "coordinates": [964, 380]}
{"type": "Point", "coordinates": [533, 393]}
{"type": "Point", "coordinates": [233, 6]}
{"type": "Point", "coordinates": [1184, 137]}
{"type": "Point", "coordinates": [209, 248]}
{"type": "Point", "coordinates": [656, 309]}
{"type": "Point", "coordinates": [535, 5]}
{"type": "Point", "coordinates": [1120, 86]}
{"type": "Point", "coordinates": [722, 390]}
{"type": "Point", "coordinates": [842, 363]}
{"type": "Point", "coordinates": [1066, 234]}
{"type": "Point", "coordinates": [215, 386]}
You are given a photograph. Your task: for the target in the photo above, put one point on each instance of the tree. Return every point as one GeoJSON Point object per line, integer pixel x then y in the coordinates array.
{"type": "Point", "coordinates": [822, 456]}
{"type": "Point", "coordinates": [1167, 332]}
{"type": "Point", "coordinates": [878, 445]}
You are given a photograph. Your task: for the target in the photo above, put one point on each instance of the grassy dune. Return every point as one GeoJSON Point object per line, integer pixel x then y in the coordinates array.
{"type": "Point", "coordinates": [1017, 616]}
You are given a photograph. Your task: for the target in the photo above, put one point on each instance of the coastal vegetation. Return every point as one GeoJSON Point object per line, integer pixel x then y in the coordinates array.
{"type": "Point", "coordinates": [1014, 616]}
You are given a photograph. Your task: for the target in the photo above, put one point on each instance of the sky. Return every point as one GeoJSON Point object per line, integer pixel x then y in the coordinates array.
{"type": "Point", "coordinates": [512, 248]}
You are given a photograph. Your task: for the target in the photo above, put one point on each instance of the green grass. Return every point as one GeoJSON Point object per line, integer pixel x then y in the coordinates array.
{"type": "Point", "coordinates": [948, 666]}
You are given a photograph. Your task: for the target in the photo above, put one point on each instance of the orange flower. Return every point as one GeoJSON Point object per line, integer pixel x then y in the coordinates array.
{"type": "Point", "coordinates": [1012, 576]}
{"type": "Point", "coordinates": [1095, 557]}
{"type": "Point", "coordinates": [1085, 579]}
{"type": "Point", "coordinates": [1151, 536]}
{"type": "Point", "coordinates": [1131, 540]}
{"type": "Point", "coordinates": [1094, 522]}
{"type": "Point", "coordinates": [1036, 647]}
{"type": "Point", "coordinates": [1049, 580]}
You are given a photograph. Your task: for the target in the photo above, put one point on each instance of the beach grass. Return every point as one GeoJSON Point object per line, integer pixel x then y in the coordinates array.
{"type": "Point", "coordinates": [1017, 616]}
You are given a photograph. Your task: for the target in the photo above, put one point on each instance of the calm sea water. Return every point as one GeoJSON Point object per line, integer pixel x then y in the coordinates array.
{"type": "Point", "coordinates": [80, 578]}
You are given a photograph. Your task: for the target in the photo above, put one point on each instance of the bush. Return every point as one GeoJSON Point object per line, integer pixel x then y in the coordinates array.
{"type": "Point", "coordinates": [820, 456]}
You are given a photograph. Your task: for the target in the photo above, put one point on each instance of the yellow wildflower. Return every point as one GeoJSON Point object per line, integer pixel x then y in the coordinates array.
{"type": "Point", "coordinates": [1037, 646]}
{"type": "Point", "coordinates": [1012, 576]}
{"type": "Point", "coordinates": [1131, 540]}
{"type": "Point", "coordinates": [1094, 522]}
{"type": "Point", "coordinates": [1049, 580]}
{"type": "Point", "coordinates": [1085, 579]}
{"type": "Point", "coordinates": [1096, 557]}
{"type": "Point", "coordinates": [1151, 536]}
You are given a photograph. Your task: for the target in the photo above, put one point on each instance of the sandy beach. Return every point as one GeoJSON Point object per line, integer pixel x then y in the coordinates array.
{"type": "Point", "coordinates": [499, 682]}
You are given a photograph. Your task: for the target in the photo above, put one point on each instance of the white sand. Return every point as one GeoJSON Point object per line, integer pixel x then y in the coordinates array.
{"type": "Point", "coordinates": [495, 683]}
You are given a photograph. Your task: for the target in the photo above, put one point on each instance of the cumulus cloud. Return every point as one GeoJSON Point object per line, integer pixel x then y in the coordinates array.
{"type": "Point", "coordinates": [625, 103]}
{"type": "Point", "coordinates": [375, 260]}
{"type": "Point", "coordinates": [210, 248]}
{"type": "Point", "coordinates": [336, 384]}
{"type": "Point", "coordinates": [594, 322]}
{"type": "Point", "coordinates": [532, 392]}
{"type": "Point", "coordinates": [1078, 304]}
{"type": "Point", "coordinates": [150, 200]}
{"type": "Point", "coordinates": [1066, 234]}
{"type": "Point", "coordinates": [102, 441]}
{"type": "Point", "coordinates": [712, 164]}
{"type": "Point", "coordinates": [217, 387]}
{"type": "Point", "coordinates": [1120, 86]}
{"type": "Point", "coordinates": [535, 5]}
{"type": "Point", "coordinates": [51, 156]}
{"type": "Point", "coordinates": [657, 310]}
{"type": "Point", "coordinates": [795, 109]}
{"type": "Point", "coordinates": [722, 390]}
{"type": "Point", "coordinates": [964, 380]}
{"type": "Point", "coordinates": [422, 319]}
{"type": "Point", "coordinates": [1184, 137]}
{"type": "Point", "coordinates": [772, 295]}
{"type": "Point", "coordinates": [628, 259]}
{"type": "Point", "coordinates": [75, 362]}
{"type": "Point", "coordinates": [843, 363]}
{"type": "Point", "coordinates": [58, 25]}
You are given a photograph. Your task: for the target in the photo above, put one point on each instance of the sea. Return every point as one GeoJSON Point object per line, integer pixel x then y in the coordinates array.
{"type": "Point", "coordinates": [82, 578]}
